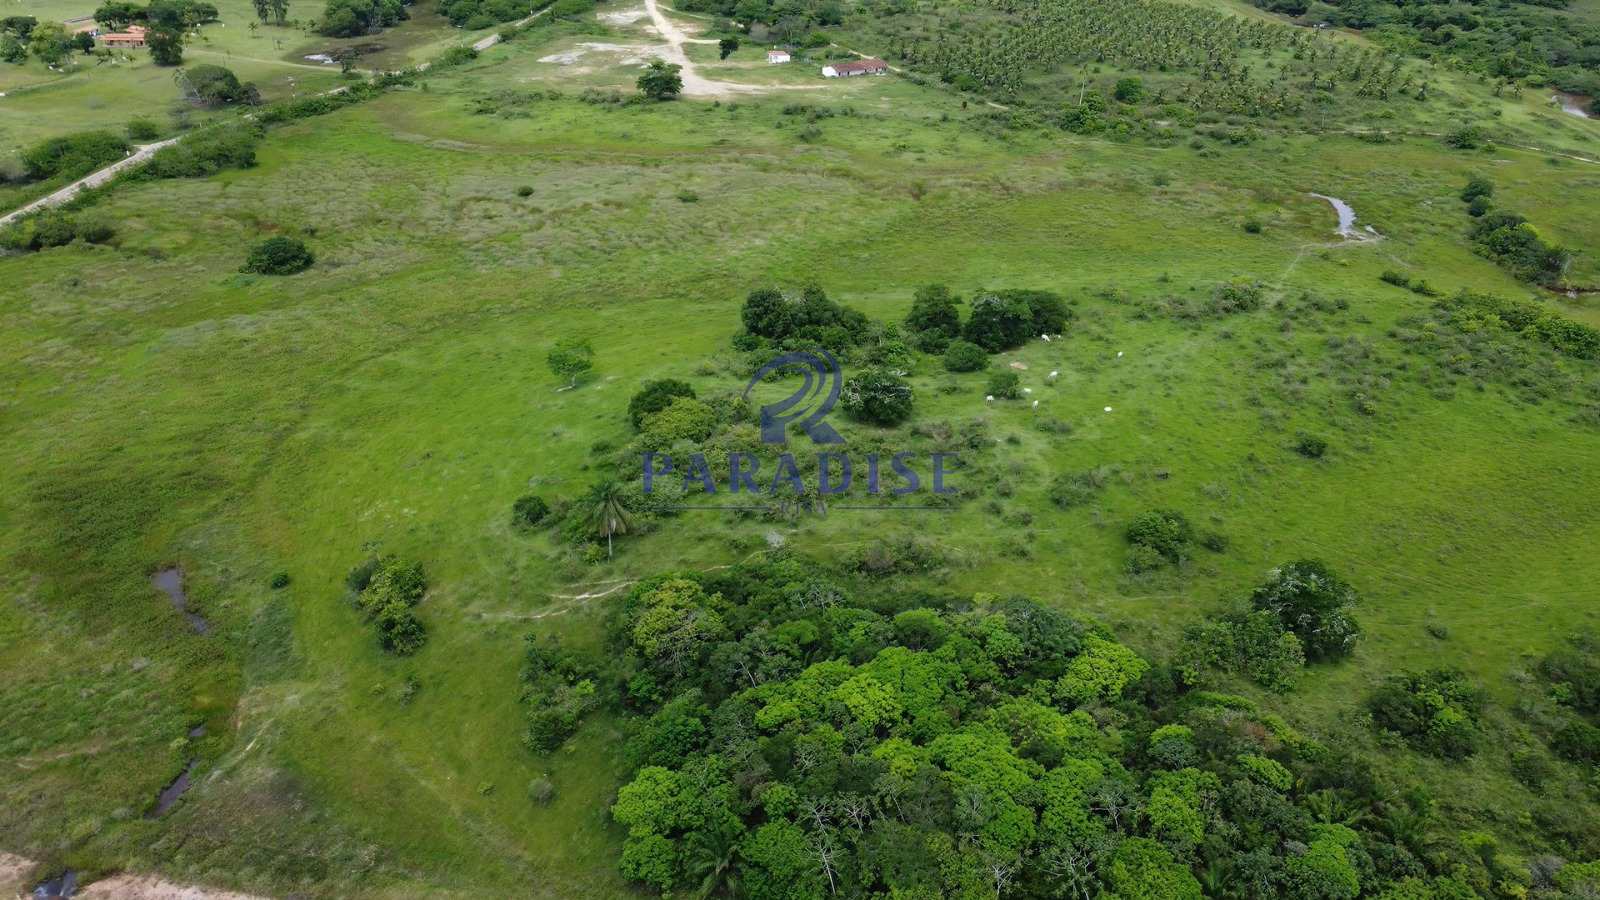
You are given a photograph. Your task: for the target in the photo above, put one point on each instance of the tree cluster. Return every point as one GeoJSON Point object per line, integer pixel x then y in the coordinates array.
{"type": "Point", "coordinates": [386, 591]}
{"type": "Point", "coordinates": [794, 735]}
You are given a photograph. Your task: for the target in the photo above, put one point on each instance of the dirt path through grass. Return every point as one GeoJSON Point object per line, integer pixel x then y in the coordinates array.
{"type": "Point", "coordinates": [693, 84]}
{"type": "Point", "coordinates": [93, 179]}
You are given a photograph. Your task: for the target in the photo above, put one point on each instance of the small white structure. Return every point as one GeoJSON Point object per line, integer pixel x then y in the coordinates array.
{"type": "Point", "coordinates": [855, 67]}
{"type": "Point", "coordinates": [776, 57]}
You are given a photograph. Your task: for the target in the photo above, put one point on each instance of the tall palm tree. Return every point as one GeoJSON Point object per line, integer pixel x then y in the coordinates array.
{"type": "Point", "coordinates": [607, 511]}
{"type": "Point", "coordinates": [710, 857]}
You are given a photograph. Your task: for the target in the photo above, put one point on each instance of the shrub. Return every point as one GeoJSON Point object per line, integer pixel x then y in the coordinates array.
{"type": "Point", "coordinates": [660, 80]}
{"type": "Point", "coordinates": [1242, 641]}
{"type": "Point", "coordinates": [399, 630]}
{"type": "Point", "coordinates": [877, 396]}
{"type": "Point", "coordinates": [1165, 531]}
{"type": "Point", "coordinates": [388, 589]}
{"type": "Point", "coordinates": [684, 419]}
{"type": "Point", "coordinates": [1236, 296]}
{"type": "Point", "coordinates": [1578, 741]}
{"type": "Point", "coordinates": [279, 581]}
{"type": "Point", "coordinates": [1005, 385]}
{"type": "Point", "coordinates": [1395, 278]}
{"type": "Point", "coordinates": [143, 129]}
{"type": "Point", "coordinates": [204, 153]}
{"type": "Point", "coordinates": [1075, 489]}
{"type": "Point", "coordinates": [525, 191]}
{"type": "Point", "coordinates": [73, 155]}
{"type": "Point", "coordinates": [999, 323]}
{"type": "Point", "coordinates": [1128, 90]}
{"type": "Point", "coordinates": [1252, 226]}
{"type": "Point", "coordinates": [1575, 669]}
{"type": "Point", "coordinates": [809, 316]}
{"type": "Point", "coordinates": [654, 397]}
{"type": "Point", "coordinates": [1467, 137]}
{"type": "Point", "coordinates": [1514, 243]}
{"type": "Point", "coordinates": [529, 511]}
{"type": "Point", "coordinates": [541, 790]}
{"type": "Point", "coordinates": [1477, 187]}
{"type": "Point", "coordinates": [1310, 446]}
{"type": "Point", "coordinates": [278, 256]}
{"type": "Point", "coordinates": [933, 309]}
{"type": "Point", "coordinates": [1436, 711]}
{"type": "Point", "coordinates": [1313, 603]}
{"type": "Point", "coordinates": [1479, 207]}
{"type": "Point", "coordinates": [965, 356]}
{"type": "Point", "coordinates": [217, 86]}
{"type": "Point", "coordinates": [1172, 747]}
{"type": "Point", "coordinates": [1142, 559]}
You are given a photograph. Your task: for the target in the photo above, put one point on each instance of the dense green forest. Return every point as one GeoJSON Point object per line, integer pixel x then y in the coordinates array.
{"type": "Point", "coordinates": [796, 732]}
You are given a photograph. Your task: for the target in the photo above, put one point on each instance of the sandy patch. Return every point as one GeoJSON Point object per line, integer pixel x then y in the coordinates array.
{"type": "Point", "coordinates": [624, 16]}
{"type": "Point", "coordinates": [635, 54]}
{"type": "Point", "coordinates": [148, 887]}
{"type": "Point", "coordinates": [14, 872]}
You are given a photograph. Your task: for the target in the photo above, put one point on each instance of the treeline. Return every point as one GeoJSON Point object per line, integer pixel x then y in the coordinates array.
{"type": "Point", "coordinates": [1538, 42]}
{"type": "Point", "coordinates": [797, 733]}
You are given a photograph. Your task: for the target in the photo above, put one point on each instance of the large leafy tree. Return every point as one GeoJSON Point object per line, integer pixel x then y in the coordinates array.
{"type": "Point", "coordinates": [661, 80]}
{"type": "Point", "coordinates": [1313, 603]}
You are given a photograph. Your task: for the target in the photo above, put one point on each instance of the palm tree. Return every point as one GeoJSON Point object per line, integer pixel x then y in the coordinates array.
{"type": "Point", "coordinates": [607, 511]}
{"type": "Point", "coordinates": [710, 858]}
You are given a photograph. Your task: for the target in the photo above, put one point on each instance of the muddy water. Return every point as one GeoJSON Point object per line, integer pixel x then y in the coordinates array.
{"type": "Point", "coordinates": [1574, 105]}
{"type": "Point", "coordinates": [170, 582]}
{"type": "Point", "coordinates": [170, 794]}
{"type": "Point", "coordinates": [1347, 219]}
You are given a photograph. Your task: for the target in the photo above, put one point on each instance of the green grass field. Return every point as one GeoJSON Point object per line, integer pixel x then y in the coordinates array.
{"type": "Point", "coordinates": [166, 410]}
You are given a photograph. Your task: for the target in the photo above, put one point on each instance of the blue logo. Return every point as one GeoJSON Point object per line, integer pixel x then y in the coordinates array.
{"type": "Point", "coordinates": [805, 408]}
{"type": "Point", "coordinates": [822, 378]}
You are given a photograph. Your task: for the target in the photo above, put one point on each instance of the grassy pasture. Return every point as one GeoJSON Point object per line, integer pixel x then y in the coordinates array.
{"type": "Point", "coordinates": [168, 410]}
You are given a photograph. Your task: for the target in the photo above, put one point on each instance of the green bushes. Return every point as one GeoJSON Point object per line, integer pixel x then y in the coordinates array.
{"type": "Point", "coordinates": [386, 590]}
{"type": "Point", "coordinates": [528, 511]}
{"type": "Point", "coordinates": [278, 256]}
{"type": "Point", "coordinates": [1004, 320]}
{"type": "Point", "coordinates": [1436, 711]}
{"type": "Point", "coordinates": [1004, 385]}
{"type": "Point", "coordinates": [143, 129]}
{"type": "Point", "coordinates": [1471, 311]}
{"type": "Point", "coordinates": [934, 310]}
{"type": "Point", "coordinates": [1246, 642]}
{"type": "Point", "coordinates": [654, 397]}
{"type": "Point", "coordinates": [1513, 242]}
{"type": "Point", "coordinates": [965, 356]}
{"type": "Point", "coordinates": [352, 18]}
{"type": "Point", "coordinates": [810, 317]}
{"type": "Point", "coordinates": [204, 153]}
{"type": "Point", "coordinates": [1578, 741]}
{"type": "Point", "coordinates": [54, 228]}
{"type": "Point", "coordinates": [217, 86]}
{"type": "Point", "coordinates": [72, 156]}
{"type": "Point", "coordinates": [559, 690]}
{"type": "Point", "coordinates": [1164, 532]}
{"type": "Point", "coordinates": [1313, 603]}
{"type": "Point", "coordinates": [1075, 489]}
{"type": "Point", "coordinates": [475, 14]}
{"type": "Point", "coordinates": [877, 396]}
{"type": "Point", "coordinates": [1310, 446]}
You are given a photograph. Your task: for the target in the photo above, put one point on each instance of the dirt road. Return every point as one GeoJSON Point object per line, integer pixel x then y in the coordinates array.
{"type": "Point", "coordinates": [93, 179]}
{"type": "Point", "coordinates": [693, 84]}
